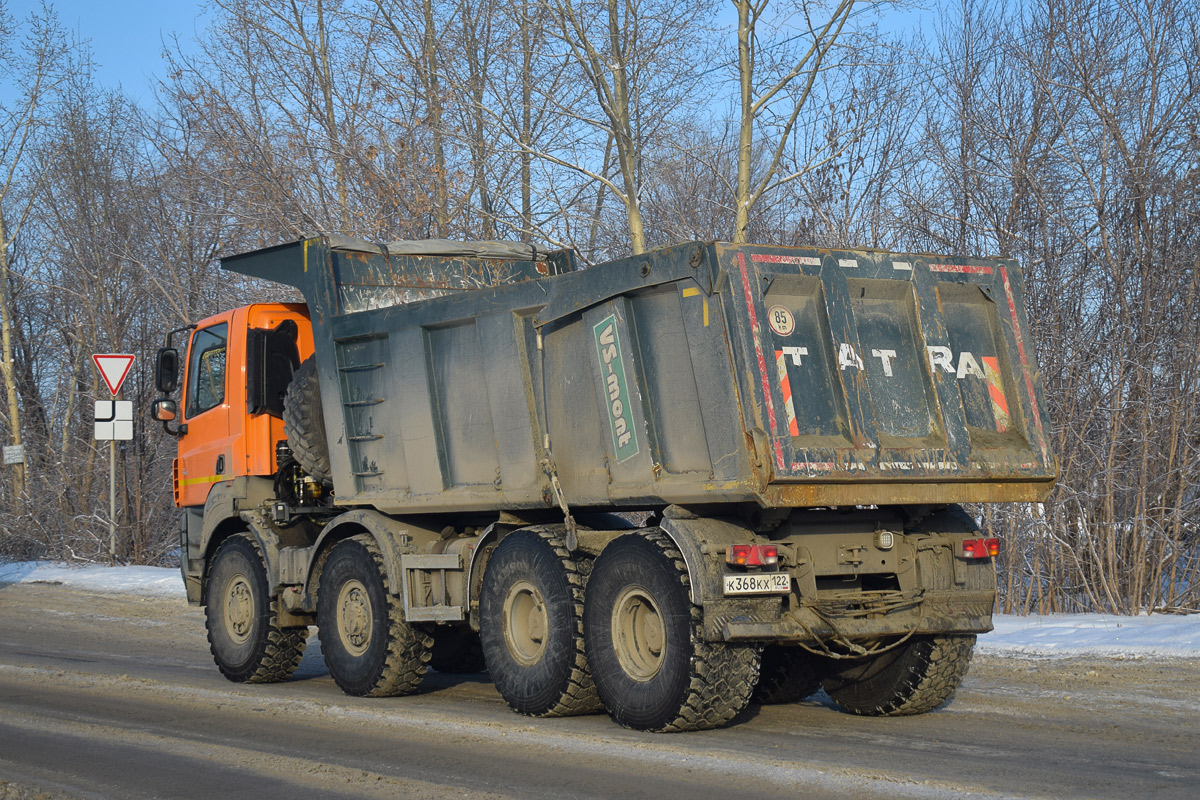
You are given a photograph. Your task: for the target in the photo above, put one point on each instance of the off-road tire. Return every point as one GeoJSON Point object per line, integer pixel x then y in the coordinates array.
{"type": "Point", "coordinates": [787, 675]}
{"type": "Point", "coordinates": [304, 423]}
{"type": "Point", "coordinates": [456, 650]}
{"type": "Point", "coordinates": [532, 588]}
{"type": "Point", "coordinates": [918, 676]}
{"type": "Point", "coordinates": [689, 684]}
{"type": "Point", "coordinates": [244, 634]}
{"type": "Point", "coordinates": [369, 649]}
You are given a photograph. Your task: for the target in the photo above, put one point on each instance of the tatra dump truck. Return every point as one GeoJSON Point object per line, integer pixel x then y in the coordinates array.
{"type": "Point", "coordinates": [658, 486]}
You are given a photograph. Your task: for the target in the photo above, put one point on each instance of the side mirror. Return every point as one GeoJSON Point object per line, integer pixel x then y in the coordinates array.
{"type": "Point", "coordinates": [164, 409]}
{"type": "Point", "coordinates": [166, 371]}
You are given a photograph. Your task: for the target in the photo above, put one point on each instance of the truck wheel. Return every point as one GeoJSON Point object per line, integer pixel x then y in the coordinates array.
{"type": "Point", "coordinates": [304, 423]}
{"type": "Point", "coordinates": [916, 677]}
{"type": "Point", "coordinates": [788, 675]}
{"type": "Point", "coordinates": [369, 649]}
{"type": "Point", "coordinates": [653, 670]}
{"type": "Point", "coordinates": [531, 626]}
{"type": "Point", "coordinates": [244, 636]}
{"type": "Point", "coordinates": [457, 650]}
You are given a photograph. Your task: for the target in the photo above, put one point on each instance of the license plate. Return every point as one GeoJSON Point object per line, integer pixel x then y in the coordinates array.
{"type": "Point", "coordinates": [758, 583]}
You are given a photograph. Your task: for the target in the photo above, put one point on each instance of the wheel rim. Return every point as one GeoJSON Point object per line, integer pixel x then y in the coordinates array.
{"type": "Point", "coordinates": [239, 609]}
{"type": "Point", "coordinates": [525, 623]}
{"type": "Point", "coordinates": [638, 634]}
{"type": "Point", "coordinates": [354, 617]}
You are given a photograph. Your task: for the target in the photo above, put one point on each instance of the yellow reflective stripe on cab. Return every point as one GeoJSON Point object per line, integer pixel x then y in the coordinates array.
{"type": "Point", "coordinates": [208, 479]}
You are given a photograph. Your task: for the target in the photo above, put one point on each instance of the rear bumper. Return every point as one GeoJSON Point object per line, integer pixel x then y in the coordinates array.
{"type": "Point", "coordinates": [933, 612]}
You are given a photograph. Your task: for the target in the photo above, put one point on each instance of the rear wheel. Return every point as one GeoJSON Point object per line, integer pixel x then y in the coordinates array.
{"type": "Point", "coordinates": [788, 675]}
{"type": "Point", "coordinates": [917, 676]}
{"type": "Point", "coordinates": [244, 635]}
{"type": "Point", "coordinates": [652, 668]}
{"type": "Point", "coordinates": [531, 626]}
{"type": "Point", "coordinates": [369, 649]}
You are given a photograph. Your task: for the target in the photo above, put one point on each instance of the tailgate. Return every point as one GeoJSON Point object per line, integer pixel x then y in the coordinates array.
{"type": "Point", "coordinates": [877, 367]}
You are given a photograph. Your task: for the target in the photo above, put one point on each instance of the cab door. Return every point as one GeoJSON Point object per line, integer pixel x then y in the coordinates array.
{"type": "Point", "coordinates": [206, 450]}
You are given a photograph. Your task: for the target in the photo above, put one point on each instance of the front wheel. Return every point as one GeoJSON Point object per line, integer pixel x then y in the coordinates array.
{"type": "Point", "coordinates": [652, 668]}
{"type": "Point", "coordinates": [369, 649]}
{"type": "Point", "coordinates": [912, 678]}
{"type": "Point", "coordinates": [244, 635]}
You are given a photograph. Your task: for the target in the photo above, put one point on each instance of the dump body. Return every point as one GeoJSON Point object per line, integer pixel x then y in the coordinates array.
{"type": "Point", "coordinates": [697, 374]}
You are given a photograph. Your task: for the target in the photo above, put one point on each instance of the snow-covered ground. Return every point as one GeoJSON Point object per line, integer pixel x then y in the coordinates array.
{"type": "Point", "coordinates": [1062, 635]}
{"type": "Point", "coordinates": [155, 581]}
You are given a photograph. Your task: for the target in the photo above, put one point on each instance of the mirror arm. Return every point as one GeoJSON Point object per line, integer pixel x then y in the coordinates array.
{"type": "Point", "coordinates": [180, 430]}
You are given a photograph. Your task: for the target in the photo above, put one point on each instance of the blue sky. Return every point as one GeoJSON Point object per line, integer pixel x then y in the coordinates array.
{"type": "Point", "coordinates": [126, 36]}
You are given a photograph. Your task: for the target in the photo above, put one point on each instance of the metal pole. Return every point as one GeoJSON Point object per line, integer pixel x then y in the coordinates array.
{"type": "Point", "coordinates": [112, 500]}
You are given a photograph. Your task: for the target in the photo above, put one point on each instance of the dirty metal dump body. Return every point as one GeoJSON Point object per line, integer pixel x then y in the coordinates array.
{"type": "Point", "coordinates": [701, 373]}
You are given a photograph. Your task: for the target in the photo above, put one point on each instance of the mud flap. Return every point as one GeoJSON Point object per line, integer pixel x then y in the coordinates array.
{"type": "Point", "coordinates": [702, 541]}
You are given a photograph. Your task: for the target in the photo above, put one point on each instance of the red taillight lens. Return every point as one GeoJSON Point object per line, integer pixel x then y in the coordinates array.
{"type": "Point", "coordinates": [752, 555]}
{"type": "Point", "coordinates": [980, 548]}
{"type": "Point", "coordinates": [739, 554]}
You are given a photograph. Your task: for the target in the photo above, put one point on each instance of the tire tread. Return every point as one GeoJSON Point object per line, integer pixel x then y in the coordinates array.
{"type": "Point", "coordinates": [409, 648]}
{"type": "Point", "coordinates": [723, 675]}
{"type": "Point", "coordinates": [578, 695]}
{"type": "Point", "coordinates": [935, 669]}
{"type": "Point", "coordinates": [283, 649]}
{"type": "Point", "coordinates": [304, 423]}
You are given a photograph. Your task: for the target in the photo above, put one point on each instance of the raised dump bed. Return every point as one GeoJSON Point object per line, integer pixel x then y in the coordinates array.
{"type": "Point", "coordinates": [696, 374]}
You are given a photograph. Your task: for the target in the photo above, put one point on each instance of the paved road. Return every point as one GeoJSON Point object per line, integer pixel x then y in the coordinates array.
{"type": "Point", "coordinates": [116, 696]}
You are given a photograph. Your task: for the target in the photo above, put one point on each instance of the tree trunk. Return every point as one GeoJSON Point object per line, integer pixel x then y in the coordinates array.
{"type": "Point", "coordinates": [7, 367]}
{"type": "Point", "coordinates": [743, 189]}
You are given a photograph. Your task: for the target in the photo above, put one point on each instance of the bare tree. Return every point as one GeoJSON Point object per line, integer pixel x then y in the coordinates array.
{"type": "Point", "coordinates": [777, 82]}
{"type": "Point", "coordinates": [1081, 161]}
{"type": "Point", "coordinates": [628, 53]}
{"type": "Point", "coordinates": [32, 74]}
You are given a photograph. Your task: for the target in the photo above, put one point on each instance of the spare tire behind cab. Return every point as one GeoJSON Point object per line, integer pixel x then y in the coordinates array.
{"type": "Point", "coordinates": [304, 423]}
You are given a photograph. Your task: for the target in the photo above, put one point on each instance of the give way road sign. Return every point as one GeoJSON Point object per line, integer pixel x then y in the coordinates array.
{"type": "Point", "coordinates": [113, 368]}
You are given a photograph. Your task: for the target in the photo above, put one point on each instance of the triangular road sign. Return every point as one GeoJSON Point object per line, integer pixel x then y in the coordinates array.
{"type": "Point", "coordinates": [113, 368]}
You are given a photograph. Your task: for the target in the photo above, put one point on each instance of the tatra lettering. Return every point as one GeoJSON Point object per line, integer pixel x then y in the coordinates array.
{"type": "Point", "coordinates": [885, 357]}
{"type": "Point", "coordinates": [967, 365]}
{"type": "Point", "coordinates": [847, 357]}
{"type": "Point", "coordinates": [940, 357]}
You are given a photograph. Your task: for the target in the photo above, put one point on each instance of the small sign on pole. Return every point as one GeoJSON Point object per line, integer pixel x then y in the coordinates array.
{"type": "Point", "coordinates": [14, 454]}
{"type": "Point", "coordinates": [113, 368]}
{"type": "Point", "coordinates": [114, 420]}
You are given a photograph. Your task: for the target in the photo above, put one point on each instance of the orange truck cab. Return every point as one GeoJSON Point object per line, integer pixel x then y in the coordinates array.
{"type": "Point", "coordinates": [239, 364]}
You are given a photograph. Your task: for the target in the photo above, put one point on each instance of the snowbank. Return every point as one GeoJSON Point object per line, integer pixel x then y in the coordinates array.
{"type": "Point", "coordinates": [1162, 635]}
{"type": "Point", "coordinates": [1061, 635]}
{"type": "Point", "coordinates": [156, 581]}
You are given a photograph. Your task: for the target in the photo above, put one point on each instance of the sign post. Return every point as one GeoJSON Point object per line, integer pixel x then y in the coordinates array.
{"type": "Point", "coordinates": [114, 422]}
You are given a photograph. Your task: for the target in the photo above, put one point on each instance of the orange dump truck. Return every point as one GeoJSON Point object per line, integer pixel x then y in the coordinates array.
{"type": "Point", "coordinates": [659, 486]}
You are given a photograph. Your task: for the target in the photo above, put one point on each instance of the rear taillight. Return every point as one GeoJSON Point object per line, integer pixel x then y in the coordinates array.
{"type": "Point", "coordinates": [752, 555]}
{"type": "Point", "coordinates": [980, 548]}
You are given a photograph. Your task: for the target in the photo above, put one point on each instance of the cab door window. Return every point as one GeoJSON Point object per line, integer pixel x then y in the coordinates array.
{"type": "Point", "coordinates": [206, 369]}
